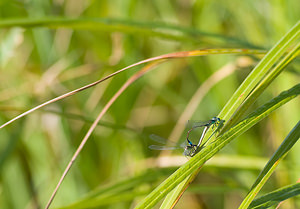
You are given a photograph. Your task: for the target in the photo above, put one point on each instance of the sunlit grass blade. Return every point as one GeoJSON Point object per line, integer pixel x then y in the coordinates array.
{"type": "Point", "coordinates": [257, 74]}
{"type": "Point", "coordinates": [266, 81]}
{"type": "Point", "coordinates": [265, 174]}
{"type": "Point", "coordinates": [116, 192]}
{"type": "Point", "coordinates": [275, 197]}
{"type": "Point", "coordinates": [172, 197]}
{"type": "Point", "coordinates": [199, 159]}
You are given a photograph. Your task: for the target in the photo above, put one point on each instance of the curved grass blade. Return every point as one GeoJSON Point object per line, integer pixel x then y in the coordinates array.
{"type": "Point", "coordinates": [207, 152]}
{"type": "Point", "coordinates": [158, 59]}
{"type": "Point", "coordinates": [280, 153]}
{"type": "Point", "coordinates": [274, 198]}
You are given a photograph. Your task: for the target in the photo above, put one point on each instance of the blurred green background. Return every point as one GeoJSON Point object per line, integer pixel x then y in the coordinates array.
{"type": "Point", "coordinates": [40, 63]}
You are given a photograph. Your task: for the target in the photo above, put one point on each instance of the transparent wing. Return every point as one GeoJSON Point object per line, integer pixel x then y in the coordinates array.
{"type": "Point", "coordinates": [197, 123]}
{"type": "Point", "coordinates": [157, 147]}
{"type": "Point", "coordinates": [161, 140]}
{"type": "Point", "coordinates": [183, 145]}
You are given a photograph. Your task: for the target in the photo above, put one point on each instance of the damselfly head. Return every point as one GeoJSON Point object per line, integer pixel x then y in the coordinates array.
{"type": "Point", "coordinates": [190, 150]}
{"type": "Point", "coordinates": [215, 120]}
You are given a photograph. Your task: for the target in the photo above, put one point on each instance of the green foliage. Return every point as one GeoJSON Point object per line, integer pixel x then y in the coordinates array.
{"type": "Point", "coordinates": [209, 60]}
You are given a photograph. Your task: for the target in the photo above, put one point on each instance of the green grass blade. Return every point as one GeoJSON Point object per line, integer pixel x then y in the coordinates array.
{"type": "Point", "coordinates": [280, 153]}
{"type": "Point", "coordinates": [275, 197]}
{"type": "Point", "coordinates": [257, 74]}
{"type": "Point", "coordinates": [198, 160]}
{"type": "Point", "coordinates": [172, 197]}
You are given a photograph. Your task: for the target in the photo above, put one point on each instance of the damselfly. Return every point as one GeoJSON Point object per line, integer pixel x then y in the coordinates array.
{"type": "Point", "coordinates": [189, 148]}
{"type": "Point", "coordinates": [214, 122]}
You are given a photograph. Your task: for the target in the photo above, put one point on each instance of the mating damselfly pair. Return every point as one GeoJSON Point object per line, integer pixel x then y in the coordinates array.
{"type": "Point", "coordinates": [190, 149]}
